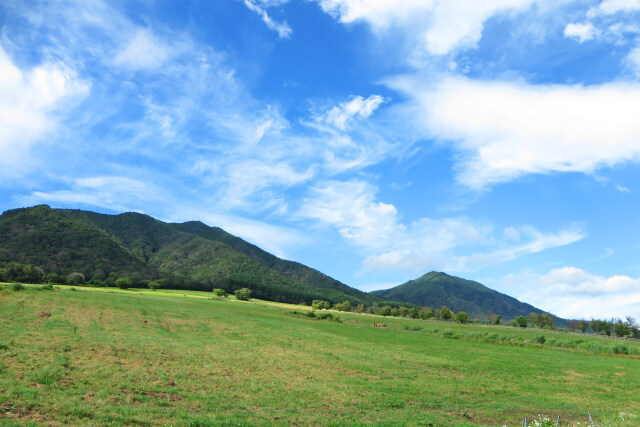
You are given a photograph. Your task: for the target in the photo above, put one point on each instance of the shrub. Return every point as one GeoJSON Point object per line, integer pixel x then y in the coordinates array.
{"type": "Point", "coordinates": [445, 313]}
{"type": "Point", "coordinates": [220, 293]}
{"type": "Point", "coordinates": [243, 294]}
{"type": "Point", "coordinates": [75, 278]}
{"type": "Point", "coordinates": [154, 285]}
{"type": "Point", "coordinates": [385, 310]}
{"type": "Point", "coordinates": [539, 339]}
{"type": "Point", "coordinates": [311, 314]}
{"type": "Point", "coordinates": [620, 349]}
{"type": "Point", "coordinates": [462, 317]}
{"type": "Point", "coordinates": [124, 282]}
{"type": "Point", "coordinates": [16, 287]}
{"type": "Point", "coordinates": [521, 321]}
{"type": "Point", "coordinates": [317, 304]}
{"type": "Point", "coordinates": [345, 306]}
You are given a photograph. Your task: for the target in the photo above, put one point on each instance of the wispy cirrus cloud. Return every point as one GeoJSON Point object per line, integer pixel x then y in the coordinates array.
{"type": "Point", "coordinates": [357, 108]}
{"type": "Point", "coordinates": [455, 244]}
{"type": "Point", "coordinates": [283, 29]}
{"type": "Point", "coordinates": [33, 103]}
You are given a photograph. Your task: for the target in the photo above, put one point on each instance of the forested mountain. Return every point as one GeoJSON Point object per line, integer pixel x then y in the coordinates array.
{"type": "Point", "coordinates": [436, 289]}
{"type": "Point", "coordinates": [191, 255]}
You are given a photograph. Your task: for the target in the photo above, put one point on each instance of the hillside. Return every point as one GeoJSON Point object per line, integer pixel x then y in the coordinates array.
{"type": "Point", "coordinates": [188, 256]}
{"type": "Point", "coordinates": [436, 289]}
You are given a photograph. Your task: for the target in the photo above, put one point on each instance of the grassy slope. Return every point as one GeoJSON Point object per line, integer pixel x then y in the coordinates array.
{"type": "Point", "coordinates": [92, 357]}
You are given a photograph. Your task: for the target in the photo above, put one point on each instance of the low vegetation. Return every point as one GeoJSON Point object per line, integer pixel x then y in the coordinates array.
{"type": "Point", "coordinates": [108, 356]}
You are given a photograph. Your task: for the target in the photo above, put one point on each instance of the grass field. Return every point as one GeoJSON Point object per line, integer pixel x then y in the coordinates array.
{"type": "Point", "coordinates": [113, 357]}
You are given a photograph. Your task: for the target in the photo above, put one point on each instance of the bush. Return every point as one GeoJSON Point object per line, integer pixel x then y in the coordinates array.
{"type": "Point", "coordinates": [539, 339]}
{"type": "Point", "coordinates": [243, 294]}
{"type": "Point", "coordinates": [521, 321]}
{"type": "Point", "coordinates": [220, 293]}
{"type": "Point", "coordinates": [124, 282]}
{"type": "Point", "coordinates": [154, 285]}
{"type": "Point", "coordinates": [620, 349]}
{"type": "Point", "coordinates": [16, 287]}
{"type": "Point", "coordinates": [75, 278]}
{"type": "Point", "coordinates": [385, 311]}
{"type": "Point", "coordinates": [445, 313]}
{"type": "Point", "coordinates": [319, 304]}
{"type": "Point", "coordinates": [345, 306]}
{"type": "Point", "coordinates": [462, 317]}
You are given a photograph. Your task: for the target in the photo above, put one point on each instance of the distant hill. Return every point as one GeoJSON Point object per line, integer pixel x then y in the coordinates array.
{"type": "Point", "coordinates": [436, 289]}
{"type": "Point", "coordinates": [191, 255]}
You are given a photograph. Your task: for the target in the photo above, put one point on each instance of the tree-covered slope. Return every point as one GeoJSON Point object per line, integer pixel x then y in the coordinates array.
{"type": "Point", "coordinates": [295, 271]}
{"type": "Point", "coordinates": [190, 255]}
{"type": "Point", "coordinates": [55, 242]}
{"type": "Point", "coordinates": [436, 289]}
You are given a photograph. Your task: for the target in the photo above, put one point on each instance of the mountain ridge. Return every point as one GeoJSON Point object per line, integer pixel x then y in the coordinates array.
{"type": "Point", "coordinates": [188, 255]}
{"type": "Point", "coordinates": [435, 289]}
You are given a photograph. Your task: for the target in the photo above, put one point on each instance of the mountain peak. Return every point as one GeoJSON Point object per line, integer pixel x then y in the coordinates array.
{"type": "Point", "coordinates": [435, 289]}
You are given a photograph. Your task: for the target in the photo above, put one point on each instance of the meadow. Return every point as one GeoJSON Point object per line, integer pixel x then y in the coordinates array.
{"type": "Point", "coordinates": [115, 357]}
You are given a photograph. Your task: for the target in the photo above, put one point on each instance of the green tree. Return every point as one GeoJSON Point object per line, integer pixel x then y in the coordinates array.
{"type": "Point", "coordinates": [124, 282]}
{"type": "Point", "coordinates": [426, 313]}
{"type": "Point", "coordinates": [621, 329]}
{"type": "Point", "coordinates": [497, 320]}
{"type": "Point", "coordinates": [154, 285]}
{"type": "Point", "coordinates": [54, 278]}
{"type": "Point", "coordinates": [414, 313]}
{"type": "Point", "coordinates": [220, 293]}
{"type": "Point", "coordinates": [462, 317]}
{"type": "Point", "coordinates": [583, 326]}
{"type": "Point", "coordinates": [385, 310]}
{"type": "Point", "coordinates": [545, 321]}
{"type": "Point", "coordinates": [395, 312]}
{"type": "Point", "coordinates": [243, 294]}
{"type": "Point", "coordinates": [319, 304]}
{"type": "Point", "coordinates": [446, 313]}
{"type": "Point", "coordinates": [521, 321]}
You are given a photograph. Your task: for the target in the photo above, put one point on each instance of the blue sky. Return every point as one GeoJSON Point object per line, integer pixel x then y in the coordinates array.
{"type": "Point", "coordinates": [374, 140]}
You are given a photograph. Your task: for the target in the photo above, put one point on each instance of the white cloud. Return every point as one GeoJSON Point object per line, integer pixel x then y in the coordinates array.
{"type": "Point", "coordinates": [283, 30]}
{"type": "Point", "coordinates": [451, 244]}
{"type": "Point", "coordinates": [109, 192]}
{"type": "Point", "coordinates": [571, 292]}
{"type": "Point", "coordinates": [622, 189]}
{"type": "Point", "coordinates": [269, 237]}
{"type": "Point", "coordinates": [32, 103]}
{"type": "Point", "coordinates": [352, 209]}
{"type": "Point", "coordinates": [143, 51]}
{"type": "Point", "coordinates": [609, 7]}
{"type": "Point", "coordinates": [633, 60]}
{"type": "Point", "coordinates": [507, 129]}
{"type": "Point", "coordinates": [437, 26]}
{"type": "Point", "coordinates": [357, 108]}
{"type": "Point", "coordinates": [581, 32]}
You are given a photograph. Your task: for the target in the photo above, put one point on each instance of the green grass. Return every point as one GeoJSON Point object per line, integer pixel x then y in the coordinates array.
{"type": "Point", "coordinates": [112, 357]}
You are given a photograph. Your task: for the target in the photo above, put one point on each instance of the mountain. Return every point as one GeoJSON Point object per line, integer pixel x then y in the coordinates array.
{"type": "Point", "coordinates": [190, 255]}
{"type": "Point", "coordinates": [436, 289]}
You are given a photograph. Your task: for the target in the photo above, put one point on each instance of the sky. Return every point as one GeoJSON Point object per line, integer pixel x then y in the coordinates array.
{"type": "Point", "coordinates": [373, 140]}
